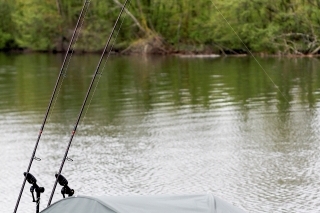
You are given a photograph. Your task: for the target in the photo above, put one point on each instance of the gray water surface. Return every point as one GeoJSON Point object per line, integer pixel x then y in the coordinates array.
{"type": "Point", "coordinates": [166, 125]}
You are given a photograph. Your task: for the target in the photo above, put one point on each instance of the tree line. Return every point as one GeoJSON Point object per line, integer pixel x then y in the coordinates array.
{"type": "Point", "coordinates": [165, 26]}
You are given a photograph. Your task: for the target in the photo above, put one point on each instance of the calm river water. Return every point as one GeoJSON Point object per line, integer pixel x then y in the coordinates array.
{"type": "Point", "coordinates": [166, 125]}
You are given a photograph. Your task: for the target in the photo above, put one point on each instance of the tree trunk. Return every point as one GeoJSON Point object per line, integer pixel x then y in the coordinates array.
{"type": "Point", "coordinates": [60, 46]}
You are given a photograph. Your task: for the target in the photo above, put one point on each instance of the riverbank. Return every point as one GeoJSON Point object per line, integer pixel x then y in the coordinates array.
{"type": "Point", "coordinates": [156, 45]}
{"type": "Point", "coordinates": [191, 52]}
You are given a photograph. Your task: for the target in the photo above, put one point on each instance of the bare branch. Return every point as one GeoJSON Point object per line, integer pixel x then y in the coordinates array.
{"type": "Point", "coordinates": [131, 16]}
{"type": "Point", "coordinates": [59, 7]}
{"type": "Point", "coordinates": [315, 51]}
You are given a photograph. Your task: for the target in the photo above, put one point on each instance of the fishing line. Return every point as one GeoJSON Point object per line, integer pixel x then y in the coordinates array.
{"type": "Point", "coordinates": [50, 105]}
{"type": "Point", "coordinates": [71, 54]}
{"type": "Point", "coordinates": [100, 74]}
{"type": "Point", "coordinates": [249, 51]}
{"type": "Point", "coordinates": [58, 175]}
{"type": "Point", "coordinates": [105, 63]}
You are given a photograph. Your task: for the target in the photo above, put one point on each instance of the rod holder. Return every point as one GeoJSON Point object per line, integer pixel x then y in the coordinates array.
{"type": "Point", "coordinates": [34, 188]}
{"type": "Point", "coordinates": [64, 183]}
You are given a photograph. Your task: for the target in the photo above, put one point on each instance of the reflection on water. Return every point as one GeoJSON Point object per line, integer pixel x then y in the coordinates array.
{"type": "Point", "coordinates": [166, 125]}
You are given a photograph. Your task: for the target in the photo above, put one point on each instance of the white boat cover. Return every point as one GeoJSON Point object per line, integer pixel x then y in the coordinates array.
{"type": "Point", "coordinates": [205, 203]}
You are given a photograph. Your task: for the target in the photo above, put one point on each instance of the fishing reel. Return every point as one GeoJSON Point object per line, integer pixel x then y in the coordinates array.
{"type": "Point", "coordinates": [34, 188]}
{"type": "Point", "coordinates": [65, 189]}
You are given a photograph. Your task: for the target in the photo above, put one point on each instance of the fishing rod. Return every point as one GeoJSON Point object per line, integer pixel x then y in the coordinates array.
{"type": "Point", "coordinates": [27, 175]}
{"type": "Point", "coordinates": [59, 178]}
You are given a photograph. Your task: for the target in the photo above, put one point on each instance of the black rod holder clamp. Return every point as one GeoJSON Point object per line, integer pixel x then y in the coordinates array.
{"type": "Point", "coordinates": [65, 189]}
{"type": "Point", "coordinates": [34, 188]}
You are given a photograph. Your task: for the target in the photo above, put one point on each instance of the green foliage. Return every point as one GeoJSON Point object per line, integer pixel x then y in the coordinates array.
{"type": "Point", "coordinates": [6, 26]}
{"type": "Point", "coordinates": [270, 26]}
{"type": "Point", "coordinates": [37, 22]}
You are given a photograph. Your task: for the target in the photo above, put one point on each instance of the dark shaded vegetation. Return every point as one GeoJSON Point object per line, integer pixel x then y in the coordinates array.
{"type": "Point", "coordinates": [165, 26]}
